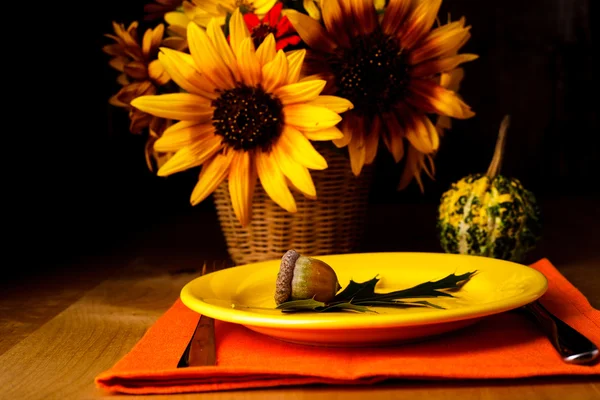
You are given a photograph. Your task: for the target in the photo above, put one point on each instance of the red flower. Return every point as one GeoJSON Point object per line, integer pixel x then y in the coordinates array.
{"type": "Point", "coordinates": [273, 23]}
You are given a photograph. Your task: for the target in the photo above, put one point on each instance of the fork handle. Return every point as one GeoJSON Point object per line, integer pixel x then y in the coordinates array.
{"type": "Point", "coordinates": [573, 347]}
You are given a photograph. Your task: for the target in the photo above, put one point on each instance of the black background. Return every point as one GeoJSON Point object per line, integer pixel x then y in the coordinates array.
{"type": "Point", "coordinates": [76, 181]}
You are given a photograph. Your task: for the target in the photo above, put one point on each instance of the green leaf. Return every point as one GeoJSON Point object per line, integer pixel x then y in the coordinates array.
{"type": "Point", "coordinates": [357, 290]}
{"type": "Point", "coordinates": [438, 288]}
{"type": "Point", "coordinates": [300, 305]}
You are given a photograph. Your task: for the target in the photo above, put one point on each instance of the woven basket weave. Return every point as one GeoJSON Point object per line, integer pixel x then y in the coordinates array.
{"type": "Point", "coordinates": [332, 224]}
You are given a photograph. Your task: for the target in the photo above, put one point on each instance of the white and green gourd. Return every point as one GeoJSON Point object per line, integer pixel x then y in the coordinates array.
{"type": "Point", "coordinates": [489, 214]}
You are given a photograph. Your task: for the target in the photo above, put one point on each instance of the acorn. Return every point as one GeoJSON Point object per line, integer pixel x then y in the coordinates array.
{"type": "Point", "coordinates": [301, 278]}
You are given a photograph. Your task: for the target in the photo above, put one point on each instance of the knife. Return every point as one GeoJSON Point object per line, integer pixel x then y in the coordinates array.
{"type": "Point", "coordinates": [200, 351]}
{"type": "Point", "coordinates": [573, 347]}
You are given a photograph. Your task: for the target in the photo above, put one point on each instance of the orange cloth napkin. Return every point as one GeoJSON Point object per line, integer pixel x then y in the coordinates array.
{"type": "Point", "coordinates": [506, 345]}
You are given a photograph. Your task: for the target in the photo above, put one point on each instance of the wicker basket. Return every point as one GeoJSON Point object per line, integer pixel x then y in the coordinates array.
{"type": "Point", "coordinates": [332, 224]}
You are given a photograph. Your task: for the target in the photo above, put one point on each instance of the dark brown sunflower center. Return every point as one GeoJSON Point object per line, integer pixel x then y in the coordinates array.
{"type": "Point", "coordinates": [372, 73]}
{"type": "Point", "coordinates": [260, 32]}
{"type": "Point", "coordinates": [248, 117]}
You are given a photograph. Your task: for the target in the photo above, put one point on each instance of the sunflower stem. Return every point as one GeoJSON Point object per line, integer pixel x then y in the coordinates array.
{"type": "Point", "coordinates": [496, 164]}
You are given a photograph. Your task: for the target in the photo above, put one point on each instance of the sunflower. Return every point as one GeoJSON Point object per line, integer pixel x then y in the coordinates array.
{"type": "Point", "coordinates": [244, 116]}
{"type": "Point", "coordinates": [203, 11]}
{"type": "Point", "coordinates": [390, 68]}
{"type": "Point", "coordinates": [141, 74]}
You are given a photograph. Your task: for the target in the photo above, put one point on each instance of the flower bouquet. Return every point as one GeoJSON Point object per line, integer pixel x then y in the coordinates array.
{"type": "Point", "coordinates": [283, 106]}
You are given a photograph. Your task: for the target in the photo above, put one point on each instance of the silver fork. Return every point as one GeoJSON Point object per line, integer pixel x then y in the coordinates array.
{"type": "Point", "coordinates": [573, 347]}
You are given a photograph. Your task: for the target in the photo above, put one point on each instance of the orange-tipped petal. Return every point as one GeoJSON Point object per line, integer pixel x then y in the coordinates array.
{"type": "Point", "coordinates": [393, 136]}
{"type": "Point", "coordinates": [395, 15]}
{"type": "Point", "coordinates": [419, 22]}
{"type": "Point", "coordinates": [441, 65]}
{"type": "Point", "coordinates": [431, 97]}
{"type": "Point", "coordinates": [335, 22]}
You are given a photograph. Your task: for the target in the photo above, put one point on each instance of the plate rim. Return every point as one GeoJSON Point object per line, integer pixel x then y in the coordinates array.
{"type": "Point", "coordinates": [382, 321]}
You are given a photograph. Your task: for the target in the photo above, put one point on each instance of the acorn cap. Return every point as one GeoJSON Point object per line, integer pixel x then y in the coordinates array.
{"type": "Point", "coordinates": [283, 286]}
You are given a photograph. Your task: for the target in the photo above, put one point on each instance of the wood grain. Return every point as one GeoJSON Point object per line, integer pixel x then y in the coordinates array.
{"type": "Point", "coordinates": [61, 359]}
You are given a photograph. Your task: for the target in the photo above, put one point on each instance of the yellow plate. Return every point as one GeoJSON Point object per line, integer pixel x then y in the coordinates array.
{"type": "Point", "coordinates": [244, 295]}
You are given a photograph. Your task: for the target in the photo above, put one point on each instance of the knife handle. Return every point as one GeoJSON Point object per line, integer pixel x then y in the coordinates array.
{"type": "Point", "coordinates": [573, 347]}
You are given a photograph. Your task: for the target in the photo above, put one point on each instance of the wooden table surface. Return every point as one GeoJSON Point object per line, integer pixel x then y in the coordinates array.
{"type": "Point", "coordinates": [60, 329]}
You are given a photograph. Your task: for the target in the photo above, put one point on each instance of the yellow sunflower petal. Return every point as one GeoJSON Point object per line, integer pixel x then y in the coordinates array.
{"type": "Point", "coordinates": [213, 173]}
{"type": "Point", "coordinates": [273, 181]}
{"type": "Point", "coordinates": [295, 59]}
{"type": "Point", "coordinates": [421, 133]}
{"type": "Point", "coordinates": [296, 173]}
{"type": "Point", "coordinates": [393, 136]}
{"type": "Point", "coordinates": [238, 31]}
{"type": "Point", "coordinates": [192, 156]}
{"type": "Point", "coordinates": [310, 31]}
{"type": "Point", "coordinates": [181, 134]}
{"type": "Point", "coordinates": [334, 103]}
{"type": "Point", "coordinates": [157, 73]}
{"type": "Point", "coordinates": [332, 133]}
{"type": "Point", "coordinates": [207, 59]}
{"type": "Point", "coordinates": [248, 62]}
{"type": "Point", "coordinates": [300, 92]}
{"type": "Point", "coordinates": [441, 65]}
{"type": "Point", "coordinates": [275, 73]}
{"type": "Point", "coordinates": [179, 106]}
{"type": "Point", "coordinates": [242, 180]}
{"type": "Point", "coordinates": [180, 66]}
{"type": "Point", "coordinates": [420, 22]}
{"type": "Point", "coordinates": [372, 140]}
{"type": "Point", "coordinates": [300, 148]}
{"type": "Point", "coordinates": [267, 50]}
{"type": "Point", "coordinates": [215, 33]}
{"type": "Point", "coordinates": [395, 16]}
{"type": "Point", "coordinates": [310, 118]}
